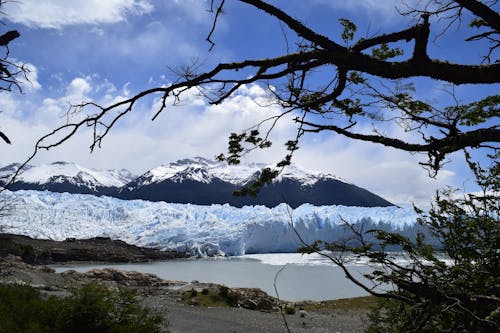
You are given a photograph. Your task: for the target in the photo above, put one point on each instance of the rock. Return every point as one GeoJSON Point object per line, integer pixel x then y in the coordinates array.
{"type": "Point", "coordinates": [100, 249]}
{"type": "Point", "coordinates": [249, 304]}
{"type": "Point", "coordinates": [10, 260]}
{"type": "Point", "coordinates": [126, 278]}
{"type": "Point", "coordinates": [265, 305]}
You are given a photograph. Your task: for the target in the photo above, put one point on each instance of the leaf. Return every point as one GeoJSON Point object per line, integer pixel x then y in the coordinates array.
{"type": "Point", "coordinates": [349, 29]}
{"type": "Point", "coordinates": [384, 52]}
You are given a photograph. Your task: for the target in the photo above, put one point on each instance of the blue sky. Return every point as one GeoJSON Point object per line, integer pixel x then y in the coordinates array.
{"type": "Point", "coordinates": [106, 50]}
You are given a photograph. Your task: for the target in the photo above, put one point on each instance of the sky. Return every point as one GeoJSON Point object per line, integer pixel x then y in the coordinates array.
{"type": "Point", "coordinates": [104, 51]}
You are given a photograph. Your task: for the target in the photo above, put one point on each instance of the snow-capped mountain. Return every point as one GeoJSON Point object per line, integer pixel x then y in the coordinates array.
{"type": "Point", "coordinates": [67, 177]}
{"type": "Point", "coordinates": [204, 170]}
{"type": "Point", "coordinates": [207, 230]}
{"type": "Point", "coordinates": [197, 181]}
{"type": "Point", "coordinates": [206, 182]}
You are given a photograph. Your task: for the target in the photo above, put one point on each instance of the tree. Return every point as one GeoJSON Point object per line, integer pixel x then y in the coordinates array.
{"type": "Point", "coordinates": [9, 71]}
{"type": "Point", "coordinates": [373, 79]}
{"type": "Point", "coordinates": [9, 74]}
{"type": "Point", "coordinates": [452, 288]}
{"type": "Point", "coordinates": [351, 93]}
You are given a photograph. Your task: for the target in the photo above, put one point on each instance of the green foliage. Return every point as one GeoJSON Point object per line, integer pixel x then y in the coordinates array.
{"type": "Point", "coordinates": [478, 112]}
{"type": "Point", "coordinates": [407, 102]}
{"type": "Point", "coordinates": [477, 23]}
{"type": "Point", "coordinates": [289, 310]}
{"type": "Point", "coordinates": [351, 106]}
{"type": "Point", "coordinates": [22, 309]}
{"type": "Point", "coordinates": [90, 308]}
{"type": "Point", "coordinates": [223, 296]}
{"type": "Point", "coordinates": [349, 29]}
{"type": "Point", "coordinates": [266, 177]}
{"type": "Point", "coordinates": [213, 297]}
{"type": "Point", "coordinates": [449, 287]}
{"type": "Point", "coordinates": [228, 296]}
{"type": "Point", "coordinates": [356, 78]}
{"type": "Point", "coordinates": [236, 146]}
{"type": "Point", "coordinates": [28, 253]}
{"type": "Point", "coordinates": [453, 288]}
{"type": "Point", "coordinates": [384, 52]}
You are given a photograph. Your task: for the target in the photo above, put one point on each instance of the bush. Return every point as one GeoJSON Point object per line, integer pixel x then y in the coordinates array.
{"type": "Point", "coordinates": [90, 308]}
{"type": "Point", "coordinates": [22, 309]}
{"type": "Point", "coordinates": [228, 296]}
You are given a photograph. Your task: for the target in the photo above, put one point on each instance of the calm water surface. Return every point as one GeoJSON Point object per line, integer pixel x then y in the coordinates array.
{"type": "Point", "coordinates": [301, 278]}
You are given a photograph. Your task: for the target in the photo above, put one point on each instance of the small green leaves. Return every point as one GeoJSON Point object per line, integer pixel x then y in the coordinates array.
{"type": "Point", "coordinates": [292, 145]}
{"type": "Point", "coordinates": [237, 148]}
{"type": "Point", "coordinates": [356, 78]}
{"type": "Point", "coordinates": [405, 101]}
{"type": "Point", "coordinates": [477, 23]}
{"type": "Point", "coordinates": [266, 176]}
{"type": "Point", "coordinates": [384, 52]}
{"type": "Point", "coordinates": [253, 137]}
{"type": "Point", "coordinates": [349, 29]}
{"type": "Point", "coordinates": [351, 106]}
{"type": "Point", "coordinates": [478, 112]}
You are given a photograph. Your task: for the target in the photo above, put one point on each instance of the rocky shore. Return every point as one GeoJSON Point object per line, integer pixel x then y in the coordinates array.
{"type": "Point", "coordinates": [99, 249]}
{"type": "Point", "coordinates": [189, 306]}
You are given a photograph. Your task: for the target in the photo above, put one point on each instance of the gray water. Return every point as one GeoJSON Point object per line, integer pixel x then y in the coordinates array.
{"type": "Point", "coordinates": [297, 281]}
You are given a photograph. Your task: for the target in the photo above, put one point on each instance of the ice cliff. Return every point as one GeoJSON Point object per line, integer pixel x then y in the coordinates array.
{"type": "Point", "coordinates": [207, 230]}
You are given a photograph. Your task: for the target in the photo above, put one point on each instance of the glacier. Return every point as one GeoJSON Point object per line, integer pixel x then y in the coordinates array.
{"type": "Point", "coordinates": [200, 230]}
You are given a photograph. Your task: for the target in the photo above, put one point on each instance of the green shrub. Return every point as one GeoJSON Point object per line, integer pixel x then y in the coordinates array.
{"type": "Point", "coordinates": [22, 309]}
{"type": "Point", "coordinates": [289, 310]}
{"type": "Point", "coordinates": [228, 296]}
{"type": "Point", "coordinates": [90, 308]}
{"type": "Point", "coordinates": [28, 253]}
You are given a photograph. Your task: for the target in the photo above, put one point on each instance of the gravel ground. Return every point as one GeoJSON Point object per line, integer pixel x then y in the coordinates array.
{"type": "Point", "coordinates": [195, 319]}
{"type": "Point", "coordinates": [190, 319]}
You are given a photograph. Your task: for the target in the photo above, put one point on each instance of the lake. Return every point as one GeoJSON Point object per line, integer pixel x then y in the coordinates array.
{"type": "Point", "coordinates": [302, 277]}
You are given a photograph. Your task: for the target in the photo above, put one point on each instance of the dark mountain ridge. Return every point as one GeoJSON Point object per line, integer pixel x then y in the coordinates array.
{"type": "Point", "coordinates": [195, 181]}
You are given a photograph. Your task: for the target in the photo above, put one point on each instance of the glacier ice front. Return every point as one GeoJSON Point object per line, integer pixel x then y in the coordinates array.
{"type": "Point", "coordinates": [205, 230]}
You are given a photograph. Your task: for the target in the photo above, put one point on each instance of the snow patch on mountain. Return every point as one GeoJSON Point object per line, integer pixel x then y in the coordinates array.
{"type": "Point", "coordinates": [204, 170]}
{"type": "Point", "coordinates": [59, 172]}
{"type": "Point", "coordinates": [207, 230]}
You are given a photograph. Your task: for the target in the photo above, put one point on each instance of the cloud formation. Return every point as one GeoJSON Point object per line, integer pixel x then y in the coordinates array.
{"type": "Point", "coordinates": [196, 128]}
{"type": "Point", "coordinates": [378, 10]}
{"type": "Point", "coordinates": [55, 14]}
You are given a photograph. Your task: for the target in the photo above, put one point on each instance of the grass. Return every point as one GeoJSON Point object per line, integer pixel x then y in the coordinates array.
{"type": "Point", "coordinates": [345, 304]}
{"type": "Point", "coordinates": [208, 297]}
{"type": "Point", "coordinates": [223, 297]}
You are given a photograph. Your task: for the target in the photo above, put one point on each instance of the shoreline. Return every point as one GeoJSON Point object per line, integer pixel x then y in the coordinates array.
{"type": "Point", "coordinates": [98, 249]}
{"type": "Point", "coordinates": [183, 303]}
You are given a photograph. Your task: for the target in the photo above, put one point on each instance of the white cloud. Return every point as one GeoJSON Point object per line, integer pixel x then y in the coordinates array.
{"type": "Point", "coordinates": [195, 128]}
{"type": "Point", "coordinates": [378, 10]}
{"type": "Point", "coordinates": [393, 174]}
{"type": "Point", "coordinates": [78, 88]}
{"type": "Point", "coordinates": [59, 13]}
{"type": "Point", "coordinates": [194, 9]}
{"type": "Point", "coordinates": [29, 82]}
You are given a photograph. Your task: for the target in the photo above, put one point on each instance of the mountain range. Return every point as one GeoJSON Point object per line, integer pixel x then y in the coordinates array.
{"type": "Point", "coordinates": [196, 181]}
